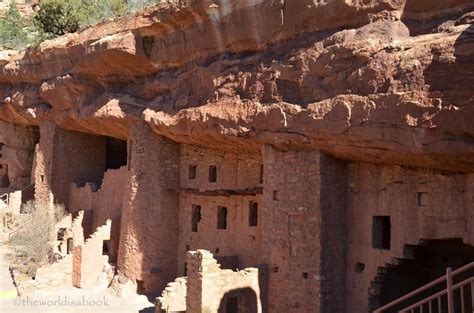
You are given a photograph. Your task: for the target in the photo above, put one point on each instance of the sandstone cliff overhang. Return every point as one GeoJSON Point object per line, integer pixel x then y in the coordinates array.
{"type": "Point", "coordinates": [378, 81]}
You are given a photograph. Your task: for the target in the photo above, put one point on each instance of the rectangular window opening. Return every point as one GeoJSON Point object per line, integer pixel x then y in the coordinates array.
{"type": "Point", "coordinates": [253, 214]}
{"type": "Point", "coordinates": [222, 218]}
{"type": "Point", "coordinates": [275, 195]}
{"type": "Point", "coordinates": [105, 247]}
{"type": "Point", "coordinates": [116, 153]}
{"type": "Point", "coordinates": [422, 198]}
{"type": "Point", "coordinates": [212, 174]}
{"type": "Point", "coordinates": [196, 218]}
{"type": "Point", "coordinates": [381, 232]}
{"type": "Point", "coordinates": [192, 172]}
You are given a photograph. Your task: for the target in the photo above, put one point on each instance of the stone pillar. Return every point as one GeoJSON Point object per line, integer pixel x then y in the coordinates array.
{"type": "Point", "coordinates": [303, 239]}
{"type": "Point", "coordinates": [43, 168]}
{"type": "Point", "coordinates": [149, 232]}
{"type": "Point", "coordinates": [203, 270]}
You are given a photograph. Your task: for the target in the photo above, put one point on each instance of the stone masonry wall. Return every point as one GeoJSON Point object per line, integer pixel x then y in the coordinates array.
{"type": "Point", "coordinates": [17, 145]}
{"type": "Point", "coordinates": [105, 203]}
{"type": "Point", "coordinates": [89, 257]}
{"type": "Point", "coordinates": [44, 164]}
{"type": "Point", "coordinates": [234, 171]}
{"type": "Point", "coordinates": [238, 184]}
{"type": "Point", "coordinates": [422, 205]}
{"type": "Point", "coordinates": [149, 234]}
{"type": "Point", "coordinates": [239, 239]}
{"type": "Point", "coordinates": [208, 287]}
{"type": "Point", "coordinates": [299, 215]}
{"type": "Point", "coordinates": [66, 157]}
{"type": "Point", "coordinates": [333, 201]}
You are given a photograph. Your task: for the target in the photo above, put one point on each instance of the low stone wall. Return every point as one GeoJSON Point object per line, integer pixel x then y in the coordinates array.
{"type": "Point", "coordinates": [173, 298]}
{"type": "Point", "coordinates": [209, 289]}
{"type": "Point", "coordinates": [89, 261]}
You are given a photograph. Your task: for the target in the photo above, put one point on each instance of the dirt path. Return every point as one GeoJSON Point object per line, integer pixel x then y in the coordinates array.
{"type": "Point", "coordinates": [7, 289]}
{"type": "Point", "coordinates": [65, 299]}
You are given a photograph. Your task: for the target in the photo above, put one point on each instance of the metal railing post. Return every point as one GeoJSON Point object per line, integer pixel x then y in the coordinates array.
{"type": "Point", "coordinates": [472, 295]}
{"type": "Point", "coordinates": [449, 290]}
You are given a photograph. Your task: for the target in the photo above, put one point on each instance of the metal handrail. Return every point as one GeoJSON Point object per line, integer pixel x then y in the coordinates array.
{"type": "Point", "coordinates": [437, 295]}
{"type": "Point", "coordinates": [5, 198]}
{"type": "Point", "coordinates": [449, 289]}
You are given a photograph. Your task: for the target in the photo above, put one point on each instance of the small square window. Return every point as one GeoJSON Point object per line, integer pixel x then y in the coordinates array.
{"type": "Point", "coordinates": [275, 195]}
{"type": "Point", "coordinates": [212, 174]}
{"type": "Point", "coordinates": [422, 198]}
{"type": "Point", "coordinates": [192, 172]}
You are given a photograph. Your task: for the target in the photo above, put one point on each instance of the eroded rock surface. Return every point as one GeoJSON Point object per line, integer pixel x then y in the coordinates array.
{"type": "Point", "coordinates": [380, 81]}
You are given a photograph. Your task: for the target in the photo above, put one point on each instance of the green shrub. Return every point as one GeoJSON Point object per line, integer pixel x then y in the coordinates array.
{"type": "Point", "coordinates": [33, 242]}
{"type": "Point", "coordinates": [58, 17]}
{"type": "Point", "coordinates": [12, 29]}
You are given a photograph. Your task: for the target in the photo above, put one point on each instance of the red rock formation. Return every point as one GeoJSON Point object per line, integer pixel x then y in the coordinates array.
{"type": "Point", "coordinates": [275, 95]}
{"type": "Point", "coordinates": [380, 81]}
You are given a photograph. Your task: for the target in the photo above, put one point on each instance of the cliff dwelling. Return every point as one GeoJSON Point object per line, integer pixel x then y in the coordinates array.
{"type": "Point", "coordinates": [251, 156]}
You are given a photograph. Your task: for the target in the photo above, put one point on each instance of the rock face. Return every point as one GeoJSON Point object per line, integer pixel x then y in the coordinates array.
{"type": "Point", "coordinates": [381, 81]}
{"type": "Point", "coordinates": [328, 143]}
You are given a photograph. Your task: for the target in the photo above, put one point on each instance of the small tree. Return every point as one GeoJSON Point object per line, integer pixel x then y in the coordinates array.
{"type": "Point", "coordinates": [33, 243]}
{"type": "Point", "coordinates": [12, 33]}
{"type": "Point", "coordinates": [58, 17]}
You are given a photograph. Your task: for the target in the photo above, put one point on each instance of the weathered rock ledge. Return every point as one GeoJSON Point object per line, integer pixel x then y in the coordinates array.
{"type": "Point", "coordinates": [380, 81]}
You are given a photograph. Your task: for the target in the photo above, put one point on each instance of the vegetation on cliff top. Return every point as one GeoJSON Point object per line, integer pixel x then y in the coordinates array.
{"type": "Point", "coordinates": [14, 29]}
{"type": "Point", "coordinates": [59, 17]}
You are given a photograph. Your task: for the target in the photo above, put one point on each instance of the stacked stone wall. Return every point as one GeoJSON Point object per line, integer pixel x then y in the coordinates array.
{"type": "Point", "coordinates": [149, 234]}
{"type": "Point", "coordinates": [422, 205]}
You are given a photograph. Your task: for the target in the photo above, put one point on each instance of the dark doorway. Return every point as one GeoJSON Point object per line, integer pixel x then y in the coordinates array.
{"type": "Point", "coordinates": [424, 264]}
{"type": "Point", "coordinates": [196, 218]}
{"type": "Point", "coordinates": [239, 301]}
{"type": "Point", "coordinates": [5, 181]}
{"type": "Point", "coordinates": [381, 232]}
{"type": "Point", "coordinates": [222, 217]}
{"type": "Point", "coordinates": [253, 214]}
{"type": "Point", "coordinates": [232, 305]}
{"type": "Point", "coordinates": [115, 153]}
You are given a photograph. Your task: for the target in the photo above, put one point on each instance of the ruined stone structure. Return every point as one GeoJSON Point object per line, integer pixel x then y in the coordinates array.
{"type": "Point", "coordinates": [320, 151]}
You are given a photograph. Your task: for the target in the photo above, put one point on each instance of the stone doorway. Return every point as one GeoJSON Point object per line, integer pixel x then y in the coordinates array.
{"type": "Point", "coordinates": [4, 179]}
{"type": "Point", "coordinates": [239, 301]}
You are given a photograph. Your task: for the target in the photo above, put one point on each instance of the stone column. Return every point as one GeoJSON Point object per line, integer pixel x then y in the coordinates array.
{"type": "Point", "coordinates": [203, 271]}
{"type": "Point", "coordinates": [149, 232]}
{"type": "Point", "coordinates": [43, 167]}
{"type": "Point", "coordinates": [303, 239]}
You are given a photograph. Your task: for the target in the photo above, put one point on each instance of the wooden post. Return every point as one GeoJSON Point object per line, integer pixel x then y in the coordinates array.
{"type": "Point", "coordinates": [449, 290]}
